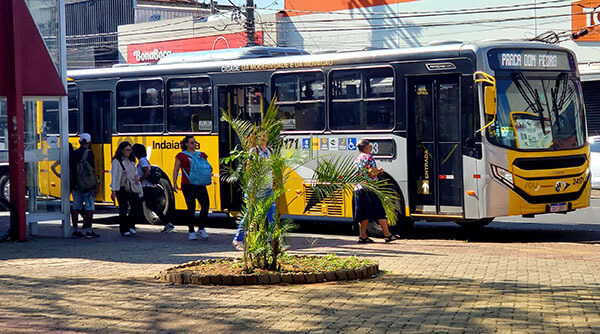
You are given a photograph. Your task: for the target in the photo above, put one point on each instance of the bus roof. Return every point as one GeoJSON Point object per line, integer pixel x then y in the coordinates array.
{"type": "Point", "coordinates": [265, 58]}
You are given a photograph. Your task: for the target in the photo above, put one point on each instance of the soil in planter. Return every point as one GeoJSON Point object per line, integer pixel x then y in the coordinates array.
{"type": "Point", "coordinates": [288, 264]}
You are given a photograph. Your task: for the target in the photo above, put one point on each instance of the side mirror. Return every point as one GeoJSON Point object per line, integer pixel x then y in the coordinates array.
{"type": "Point", "coordinates": [489, 98]}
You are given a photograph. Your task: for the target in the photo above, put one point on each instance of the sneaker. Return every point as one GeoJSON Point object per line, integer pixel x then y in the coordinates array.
{"type": "Point", "coordinates": [192, 236]}
{"type": "Point", "coordinates": [168, 228]}
{"type": "Point", "coordinates": [238, 245]}
{"type": "Point", "coordinates": [77, 234]}
{"type": "Point", "coordinates": [202, 234]}
{"type": "Point", "coordinates": [127, 234]}
{"type": "Point", "coordinates": [93, 234]}
{"type": "Point", "coordinates": [133, 232]}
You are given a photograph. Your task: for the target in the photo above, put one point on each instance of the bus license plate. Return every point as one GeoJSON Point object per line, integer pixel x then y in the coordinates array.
{"type": "Point", "coordinates": [558, 207]}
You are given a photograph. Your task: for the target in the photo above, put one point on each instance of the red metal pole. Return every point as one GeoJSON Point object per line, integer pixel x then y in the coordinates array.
{"type": "Point", "coordinates": [16, 133]}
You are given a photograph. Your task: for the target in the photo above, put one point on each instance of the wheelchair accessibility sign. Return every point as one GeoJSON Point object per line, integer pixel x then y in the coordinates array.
{"type": "Point", "coordinates": [351, 144]}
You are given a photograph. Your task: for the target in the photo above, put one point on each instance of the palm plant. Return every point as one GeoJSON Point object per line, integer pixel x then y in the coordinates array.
{"type": "Point", "coordinates": [257, 175]}
{"type": "Point", "coordinates": [263, 183]}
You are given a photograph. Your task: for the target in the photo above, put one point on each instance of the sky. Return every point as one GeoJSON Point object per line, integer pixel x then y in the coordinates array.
{"type": "Point", "coordinates": [271, 4]}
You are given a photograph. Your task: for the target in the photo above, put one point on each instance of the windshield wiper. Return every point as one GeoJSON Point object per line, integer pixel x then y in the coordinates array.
{"type": "Point", "coordinates": [558, 101]}
{"type": "Point", "coordinates": [533, 101]}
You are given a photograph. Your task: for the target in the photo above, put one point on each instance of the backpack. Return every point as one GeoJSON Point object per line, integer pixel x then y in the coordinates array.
{"type": "Point", "coordinates": [86, 178]}
{"type": "Point", "coordinates": [200, 170]}
{"type": "Point", "coordinates": [154, 176]}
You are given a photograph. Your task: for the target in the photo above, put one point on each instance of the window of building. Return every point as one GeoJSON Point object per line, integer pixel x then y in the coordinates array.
{"type": "Point", "coordinates": [140, 106]}
{"type": "Point", "coordinates": [189, 106]}
{"type": "Point", "coordinates": [362, 99]}
{"type": "Point", "coordinates": [301, 100]}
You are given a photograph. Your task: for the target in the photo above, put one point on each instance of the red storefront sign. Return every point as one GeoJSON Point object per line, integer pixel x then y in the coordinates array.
{"type": "Point", "coordinates": [153, 52]}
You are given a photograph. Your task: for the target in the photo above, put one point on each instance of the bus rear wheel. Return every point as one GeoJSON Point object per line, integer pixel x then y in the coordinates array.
{"type": "Point", "coordinates": [165, 202]}
{"type": "Point", "coordinates": [4, 191]}
{"type": "Point", "coordinates": [475, 224]}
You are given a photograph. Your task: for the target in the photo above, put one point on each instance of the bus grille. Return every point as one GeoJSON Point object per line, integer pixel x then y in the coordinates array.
{"type": "Point", "coordinates": [331, 206]}
{"type": "Point", "coordinates": [550, 162]}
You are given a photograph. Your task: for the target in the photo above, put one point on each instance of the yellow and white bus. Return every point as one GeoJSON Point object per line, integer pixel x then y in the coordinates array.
{"type": "Point", "coordinates": [466, 132]}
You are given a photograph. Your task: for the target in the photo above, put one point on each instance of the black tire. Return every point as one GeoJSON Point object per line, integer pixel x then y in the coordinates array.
{"type": "Point", "coordinates": [4, 192]}
{"type": "Point", "coordinates": [166, 202]}
{"type": "Point", "coordinates": [475, 224]}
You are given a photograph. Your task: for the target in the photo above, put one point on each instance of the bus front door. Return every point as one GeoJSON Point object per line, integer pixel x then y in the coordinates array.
{"type": "Point", "coordinates": [244, 102]}
{"type": "Point", "coordinates": [434, 103]}
{"type": "Point", "coordinates": [97, 122]}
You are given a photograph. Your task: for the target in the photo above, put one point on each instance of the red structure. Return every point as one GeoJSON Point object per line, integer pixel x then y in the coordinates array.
{"type": "Point", "coordinates": [26, 69]}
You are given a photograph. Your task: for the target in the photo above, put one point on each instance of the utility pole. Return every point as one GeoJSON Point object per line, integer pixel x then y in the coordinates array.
{"type": "Point", "coordinates": [251, 38]}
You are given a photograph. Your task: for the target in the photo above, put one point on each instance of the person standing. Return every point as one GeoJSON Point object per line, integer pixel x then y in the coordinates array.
{"type": "Point", "coordinates": [74, 215]}
{"type": "Point", "coordinates": [86, 184]}
{"type": "Point", "coordinates": [150, 190]}
{"type": "Point", "coordinates": [126, 188]}
{"type": "Point", "coordinates": [192, 164]}
{"type": "Point", "coordinates": [264, 152]}
{"type": "Point", "coordinates": [367, 205]}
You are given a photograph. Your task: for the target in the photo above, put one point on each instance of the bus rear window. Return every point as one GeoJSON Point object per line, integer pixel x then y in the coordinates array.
{"type": "Point", "coordinates": [301, 100]}
{"type": "Point", "coordinates": [362, 99]}
{"type": "Point", "coordinates": [140, 106]}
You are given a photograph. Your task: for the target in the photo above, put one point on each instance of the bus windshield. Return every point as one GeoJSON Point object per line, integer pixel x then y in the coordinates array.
{"type": "Point", "coordinates": [536, 113]}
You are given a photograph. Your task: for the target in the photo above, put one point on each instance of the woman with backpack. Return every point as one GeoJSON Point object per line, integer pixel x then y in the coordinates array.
{"type": "Point", "coordinates": [196, 175]}
{"type": "Point", "coordinates": [126, 188]}
{"type": "Point", "coordinates": [149, 179]}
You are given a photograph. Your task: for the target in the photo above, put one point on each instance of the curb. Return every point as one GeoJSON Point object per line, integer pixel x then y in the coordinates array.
{"type": "Point", "coordinates": [187, 277]}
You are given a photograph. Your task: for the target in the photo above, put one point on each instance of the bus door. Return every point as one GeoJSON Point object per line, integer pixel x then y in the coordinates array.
{"type": "Point", "coordinates": [97, 122]}
{"type": "Point", "coordinates": [245, 102]}
{"type": "Point", "coordinates": [434, 103]}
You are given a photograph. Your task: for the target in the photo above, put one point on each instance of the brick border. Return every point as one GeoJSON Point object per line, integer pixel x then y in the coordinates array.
{"type": "Point", "coordinates": [173, 275]}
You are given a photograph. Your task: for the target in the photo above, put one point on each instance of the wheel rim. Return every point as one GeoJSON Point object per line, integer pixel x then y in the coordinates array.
{"type": "Point", "coordinates": [6, 191]}
{"type": "Point", "coordinates": [163, 203]}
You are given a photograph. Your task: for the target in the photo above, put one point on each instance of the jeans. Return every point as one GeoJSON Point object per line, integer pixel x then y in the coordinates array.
{"type": "Point", "coordinates": [130, 210]}
{"type": "Point", "coordinates": [239, 235]}
{"type": "Point", "coordinates": [191, 193]}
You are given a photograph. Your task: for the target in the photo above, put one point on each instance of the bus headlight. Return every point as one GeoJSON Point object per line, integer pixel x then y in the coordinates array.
{"type": "Point", "coordinates": [503, 175]}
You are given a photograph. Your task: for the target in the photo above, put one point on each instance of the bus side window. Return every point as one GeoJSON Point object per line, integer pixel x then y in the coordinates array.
{"type": "Point", "coordinates": [189, 105]}
{"type": "Point", "coordinates": [140, 106]}
{"type": "Point", "coordinates": [73, 102]}
{"type": "Point", "coordinates": [301, 100]}
{"type": "Point", "coordinates": [362, 99]}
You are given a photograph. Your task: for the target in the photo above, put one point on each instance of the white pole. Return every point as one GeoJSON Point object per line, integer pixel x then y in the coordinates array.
{"type": "Point", "coordinates": [64, 125]}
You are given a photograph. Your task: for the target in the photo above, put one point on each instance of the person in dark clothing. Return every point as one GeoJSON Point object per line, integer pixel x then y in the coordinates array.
{"type": "Point", "coordinates": [191, 192]}
{"type": "Point", "coordinates": [72, 179]}
{"type": "Point", "coordinates": [150, 190]}
{"type": "Point", "coordinates": [83, 196]}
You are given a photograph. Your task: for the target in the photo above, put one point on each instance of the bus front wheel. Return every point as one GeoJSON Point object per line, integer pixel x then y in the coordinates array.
{"type": "Point", "coordinates": [165, 202]}
{"type": "Point", "coordinates": [475, 224]}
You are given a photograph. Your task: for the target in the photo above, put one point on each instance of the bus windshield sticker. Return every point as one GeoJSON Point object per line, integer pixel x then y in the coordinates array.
{"type": "Point", "coordinates": [351, 144]}
{"type": "Point", "coordinates": [306, 144]}
{"type": "Point", "coordinates": [333, 144]}
{"type": "Point", "coordinates": [342, 144]}
{"type": "Point", "coordinates": [440, 66]}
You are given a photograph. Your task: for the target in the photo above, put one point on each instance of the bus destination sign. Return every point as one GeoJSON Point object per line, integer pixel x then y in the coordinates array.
{"type": "Point", "coordinates": [529, 60]}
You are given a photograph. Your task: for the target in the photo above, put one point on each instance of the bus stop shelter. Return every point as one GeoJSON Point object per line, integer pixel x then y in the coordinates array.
{"type": "Point", "coordinates": [29, 75]}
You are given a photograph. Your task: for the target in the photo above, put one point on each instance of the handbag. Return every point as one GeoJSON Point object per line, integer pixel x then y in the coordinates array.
{"type": "Point", "coordinates": [130, 187]}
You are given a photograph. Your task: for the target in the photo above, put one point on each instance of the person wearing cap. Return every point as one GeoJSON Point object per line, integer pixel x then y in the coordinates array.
{"type": "Point", "coordinates": [83, 199]}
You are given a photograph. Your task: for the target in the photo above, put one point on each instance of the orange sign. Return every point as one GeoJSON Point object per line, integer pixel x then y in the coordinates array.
{"type": "Point", "coordinates": [586, 14]}
{"type": "Point", "coordinates": [311, 6]}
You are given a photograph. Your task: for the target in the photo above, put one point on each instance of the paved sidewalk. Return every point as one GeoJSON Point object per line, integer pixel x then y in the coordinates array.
{"type": "Point", "coordinates": [106, 285]}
